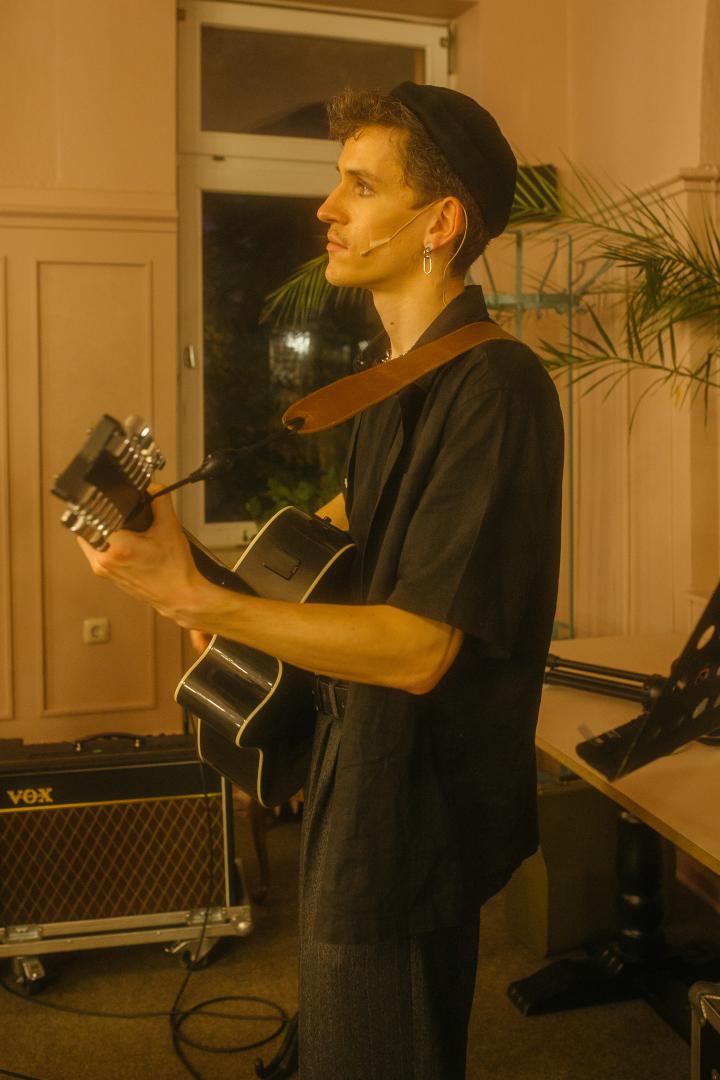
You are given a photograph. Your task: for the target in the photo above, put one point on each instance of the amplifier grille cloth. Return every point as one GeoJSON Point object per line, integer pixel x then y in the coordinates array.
{"type": "Point", "coordinates": [96, 862]}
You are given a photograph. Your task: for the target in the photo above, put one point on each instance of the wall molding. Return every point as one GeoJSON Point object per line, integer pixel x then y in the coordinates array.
{"type": "Point", "coordinates": [52, 203]}
{"type": "Point", "coordinates": [689, 179]}
{"type": "Point", "coordinates": [438, 12]}
{"type": "Point", "coordinates": [145, 618]}
{"type": "Point", "coordinates": [701, 178]}
{"type": "Point", "coordinates": [6, 657]}
{"type": "Point", "coordinates": [71, 218]}
{"type": "Point", "coordinates": [101, 709]}
{"type": "Point", "coordinates": [642, 573]}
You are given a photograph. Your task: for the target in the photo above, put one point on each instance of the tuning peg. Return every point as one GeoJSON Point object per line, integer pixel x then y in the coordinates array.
{"type": "Point", "coordinates": [140, 430]}
{"type": "Point", "coordinates": [70, 520]}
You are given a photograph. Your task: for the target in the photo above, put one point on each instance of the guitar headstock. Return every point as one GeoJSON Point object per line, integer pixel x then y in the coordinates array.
{"type": "Point", "coordinates": [105, 483]}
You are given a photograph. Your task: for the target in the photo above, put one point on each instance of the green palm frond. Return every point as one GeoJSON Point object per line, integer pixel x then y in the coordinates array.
{"type": "Point", "coordinates": [537, 197]}
{"type": "Point", "coordinates": [594, 365]}
{"type": "Point", "coordinates": [306, 296]}
{"type": "Point", "coordinates": [641, 257]}
{"type": "Point", "coordinates": [660, 272]}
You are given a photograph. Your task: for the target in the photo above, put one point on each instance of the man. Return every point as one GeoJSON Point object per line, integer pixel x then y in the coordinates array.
{"type": "Point", "coordinates": [421, 796]}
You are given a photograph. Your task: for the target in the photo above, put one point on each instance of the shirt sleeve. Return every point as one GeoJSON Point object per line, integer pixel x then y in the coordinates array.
{"type": "Point", "coordinates": [480, 531]}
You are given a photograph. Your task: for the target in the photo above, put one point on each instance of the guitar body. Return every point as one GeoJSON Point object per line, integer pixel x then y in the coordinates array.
{"type": "Point", "coordinates": [255, 714]}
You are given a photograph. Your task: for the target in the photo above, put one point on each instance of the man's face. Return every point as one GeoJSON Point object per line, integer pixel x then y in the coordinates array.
{"type": "Point", "coordinates": [371, 202]}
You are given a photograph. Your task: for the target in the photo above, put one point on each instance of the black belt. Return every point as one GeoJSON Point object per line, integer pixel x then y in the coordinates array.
{"type": "Point", "coordinates": [330, 696]}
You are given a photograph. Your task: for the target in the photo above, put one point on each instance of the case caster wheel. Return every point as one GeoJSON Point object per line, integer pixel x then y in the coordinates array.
{"type": "Point", "coordinates": [195, 955]}
{"type": "Point", "coordinates": [29, 974]}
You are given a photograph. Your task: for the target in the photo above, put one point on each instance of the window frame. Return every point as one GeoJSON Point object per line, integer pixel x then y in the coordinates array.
{"type": "Point", "coordinates": [233, 176]}
{"type": "Point", "coordinates": [250, 164]}
{"type": "Point", "coordinates": [430, 37]}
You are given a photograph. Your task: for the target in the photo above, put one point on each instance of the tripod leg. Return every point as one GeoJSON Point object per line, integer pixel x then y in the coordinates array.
{"type": "Point", "coordinates": [611, 972]}
{"type": "Point", "coordinates": [640, 884]}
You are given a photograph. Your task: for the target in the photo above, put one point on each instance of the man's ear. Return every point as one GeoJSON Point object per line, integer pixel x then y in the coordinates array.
{"type": "Point", "coordinates": [448, 223]}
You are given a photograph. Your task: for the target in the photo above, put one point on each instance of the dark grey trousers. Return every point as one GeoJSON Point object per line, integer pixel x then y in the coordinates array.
{"type": "Point", "coordinates": [394, 1010]}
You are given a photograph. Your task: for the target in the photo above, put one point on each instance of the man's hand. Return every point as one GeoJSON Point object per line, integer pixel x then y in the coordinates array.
{"type": "Point", "coordinates": [378, 644]}
{"type": "Point", "coordinates": [155, 566]}
{"type": "Point", "coordinates": [200, 640]}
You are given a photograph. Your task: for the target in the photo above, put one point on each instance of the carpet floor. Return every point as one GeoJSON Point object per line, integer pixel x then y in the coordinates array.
{"type": "Point", "coordinates": [624, 1041]}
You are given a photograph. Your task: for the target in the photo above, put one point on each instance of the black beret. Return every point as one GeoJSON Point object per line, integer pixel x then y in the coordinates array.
{"type": "Point", "coordinates": [473, 144]}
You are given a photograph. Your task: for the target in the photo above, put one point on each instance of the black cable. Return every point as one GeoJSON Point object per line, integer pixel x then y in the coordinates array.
{"type": "Point", "coordinates": [177, 1016]}
{"type": "Point", "coordinates": [281, 1016]}
{"type": "Point", "coordinates": [222, 462]}
{"type": "Point", "coordinates": [278, 1015]}
{"type": "Point", "coordinates": [18, 1076]}
{"type": "Point", "coordinates": [75, 1010]}
{"type": "Point", "coordinates": [711, 739]}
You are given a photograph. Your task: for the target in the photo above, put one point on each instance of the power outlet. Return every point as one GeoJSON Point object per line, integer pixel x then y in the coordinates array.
{"type": "Point", "coordinates": [96, 631]}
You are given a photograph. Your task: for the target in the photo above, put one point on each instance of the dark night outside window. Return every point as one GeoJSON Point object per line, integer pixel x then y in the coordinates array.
{"type": "Point", "coordinates": [253, 371]}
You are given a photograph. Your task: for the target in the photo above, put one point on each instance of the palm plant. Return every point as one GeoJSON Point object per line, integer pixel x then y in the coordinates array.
{"type": "Point", "coordinates": [655, 274]}
{"type": "Point", "coordinates": [306, 295]}
{"type": "Point", "coordinates": [659, 274]}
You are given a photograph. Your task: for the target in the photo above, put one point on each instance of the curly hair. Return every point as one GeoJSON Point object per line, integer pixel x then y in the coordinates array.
{"type": "Point", "coordinates": [425, 168]}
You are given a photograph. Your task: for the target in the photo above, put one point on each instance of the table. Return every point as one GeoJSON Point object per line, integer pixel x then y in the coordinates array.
{"type": "Point", "coordinates": [676, 797]}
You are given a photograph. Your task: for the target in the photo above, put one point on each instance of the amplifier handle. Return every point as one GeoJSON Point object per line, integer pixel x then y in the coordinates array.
{"type": "Point", "coordinates": [84, 743]}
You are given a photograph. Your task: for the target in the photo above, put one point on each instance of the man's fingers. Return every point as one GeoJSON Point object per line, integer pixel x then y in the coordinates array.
{"type": "Point", "coordinates": [92, 557]}
{"type": "Point", "coordinates": [163, 509]}
{"type": "Point", "coordinates": [200, 640]}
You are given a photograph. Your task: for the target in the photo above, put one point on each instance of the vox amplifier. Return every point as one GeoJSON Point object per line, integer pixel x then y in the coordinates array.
{"type": "Point", "coordinates": [705, 1038]}
{"type": "Point", "coordinates": [113, 840]}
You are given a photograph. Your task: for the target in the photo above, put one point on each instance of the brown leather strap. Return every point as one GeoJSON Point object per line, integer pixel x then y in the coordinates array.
{"type": "Point", "coordinates": [340, 400]}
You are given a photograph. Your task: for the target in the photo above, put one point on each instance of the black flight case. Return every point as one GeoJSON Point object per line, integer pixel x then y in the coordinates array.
{"type": "Point", "coordinates": [705, 1037]}
{"type": "Point", "coordinates": [114, 840]}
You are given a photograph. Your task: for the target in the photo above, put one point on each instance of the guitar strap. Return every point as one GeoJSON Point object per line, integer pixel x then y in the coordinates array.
{"type": "Point", "coordinates": [344, 398]}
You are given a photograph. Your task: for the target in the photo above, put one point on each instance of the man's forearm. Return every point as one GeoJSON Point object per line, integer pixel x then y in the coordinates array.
{"type": "Point", "coordinates": [376, 644]}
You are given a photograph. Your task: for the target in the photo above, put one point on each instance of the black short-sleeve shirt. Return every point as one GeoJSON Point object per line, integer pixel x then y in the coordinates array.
{"type": "Point", "coordinates": [453, 500]}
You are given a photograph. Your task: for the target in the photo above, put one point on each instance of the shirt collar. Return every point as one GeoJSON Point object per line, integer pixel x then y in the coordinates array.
{"type": "Point", "coordinates": [467, 307]}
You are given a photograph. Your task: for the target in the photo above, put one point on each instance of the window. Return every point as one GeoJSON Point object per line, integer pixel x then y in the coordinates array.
{"type": "Point", "coordinates": [255, 163]}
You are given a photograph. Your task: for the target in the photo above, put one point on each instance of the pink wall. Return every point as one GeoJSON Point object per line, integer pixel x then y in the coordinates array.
{"type": "Point", "coordinates": [630, 90]}
{"type": "Point", "coordinates": [634, 79]}
{"type": "Point", "coordinates": [614, 86]}
{"type": "Point", "coordinates": [513, 60]}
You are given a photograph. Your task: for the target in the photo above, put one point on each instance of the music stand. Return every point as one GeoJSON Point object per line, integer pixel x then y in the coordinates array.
{"type": "Point", "coordinates": [687, 706]}
{"type": "Point", "coordinates": [637, 962]}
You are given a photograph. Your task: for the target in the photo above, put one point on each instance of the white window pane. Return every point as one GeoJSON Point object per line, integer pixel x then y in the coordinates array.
{"type": "Point", "coordinates": [262, 83]}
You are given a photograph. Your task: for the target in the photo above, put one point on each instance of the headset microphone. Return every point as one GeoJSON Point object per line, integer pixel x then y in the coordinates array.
{"type": "Point", "coordinates": [376, 244]}
{"type": "Point", "coordinates": [387, 239]}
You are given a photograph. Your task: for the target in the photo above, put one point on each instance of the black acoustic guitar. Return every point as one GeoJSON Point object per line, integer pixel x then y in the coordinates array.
{"type": "Point", "coordinates": [255, 714]}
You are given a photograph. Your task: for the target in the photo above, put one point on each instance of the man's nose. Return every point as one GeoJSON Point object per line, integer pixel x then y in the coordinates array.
{"type": "Point", "coordinates": [330, 210]}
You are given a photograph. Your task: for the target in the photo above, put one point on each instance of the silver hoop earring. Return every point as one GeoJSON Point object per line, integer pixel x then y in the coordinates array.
{"type": "Point", "coordinates": [427, 260]}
